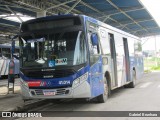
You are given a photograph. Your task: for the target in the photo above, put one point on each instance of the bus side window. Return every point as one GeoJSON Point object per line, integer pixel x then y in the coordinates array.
{"type": "Point", "coordinates": [6, 53]}
{"type": "Point", "coordinates": [94, 49]}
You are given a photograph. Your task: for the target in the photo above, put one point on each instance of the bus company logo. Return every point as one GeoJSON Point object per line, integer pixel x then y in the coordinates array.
{"type": "Point", "coordinates": [44, 83]}
{"type": "Point", "coordinates": [64, 82]}
{"type": "Point", "coordinates": [62, 61]}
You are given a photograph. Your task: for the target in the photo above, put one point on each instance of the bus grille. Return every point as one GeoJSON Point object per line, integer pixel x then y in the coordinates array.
{"type": "Point", "coordinates": [58, 91]}
{"type": "Point", "coordinates": [52, 74]}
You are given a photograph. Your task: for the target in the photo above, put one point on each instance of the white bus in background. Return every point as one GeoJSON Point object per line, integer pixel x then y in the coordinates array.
{"type": "Point", "coordinates": [5, 56]}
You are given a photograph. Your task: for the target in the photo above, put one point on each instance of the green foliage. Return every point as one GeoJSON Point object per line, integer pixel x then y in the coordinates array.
{"type": "Point", "coordinates": [138, 46]}
{"type": "Point", "coordinates": [150, 64]}
{"type": "Point", "coordinates": [155, 68]}
{"type": "Point", "coordinates": [147, 71]}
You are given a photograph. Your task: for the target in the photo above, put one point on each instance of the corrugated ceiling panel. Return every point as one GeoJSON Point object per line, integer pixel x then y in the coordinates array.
{"type": "Point", "coordinates": [126, 3]}
{"type": "Point", "coordinates": [120, 17]}
{"type": "Point", "coordinates": [24, 11]}
{"type": "Point", "coordinates": [139, 14]}
{"type": "Point", "coordinates": [148, 24]}
{"type": "Point", "coordinates": [102, 5]}
{"type": "Point", "coordinates": [134, 27]}
{"type": "Point", "coordinates": [9, 22]}
{"type": "Point", "coordinates": [84, 9]}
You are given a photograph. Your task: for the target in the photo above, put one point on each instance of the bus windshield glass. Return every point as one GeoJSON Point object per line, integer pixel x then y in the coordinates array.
{"type": "Point", "coordinates": [53, 50]}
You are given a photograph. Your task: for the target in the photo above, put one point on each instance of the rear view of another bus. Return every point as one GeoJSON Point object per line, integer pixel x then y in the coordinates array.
{"type": "Point", "coordinates": [5, 56]}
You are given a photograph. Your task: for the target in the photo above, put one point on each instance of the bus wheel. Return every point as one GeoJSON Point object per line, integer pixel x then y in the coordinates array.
{"type": "Point", "coordinates": [103, 97]}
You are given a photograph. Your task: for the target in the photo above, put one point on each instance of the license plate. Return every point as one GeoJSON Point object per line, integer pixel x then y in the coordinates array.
{"type": "Point", "coordinates": [49, 92]}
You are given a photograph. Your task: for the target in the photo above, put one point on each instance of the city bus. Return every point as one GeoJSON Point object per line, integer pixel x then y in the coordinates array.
{"type": "Point", "coordinates": [76, 56]}
{"type": "Point", "coordinates": [5, 56]}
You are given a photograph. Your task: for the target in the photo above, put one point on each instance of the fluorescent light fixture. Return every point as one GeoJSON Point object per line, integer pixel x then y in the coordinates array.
{"type": "Point", "coordinates": [153, 6]}
{"type": "Point", "coordinates": [13, 17]}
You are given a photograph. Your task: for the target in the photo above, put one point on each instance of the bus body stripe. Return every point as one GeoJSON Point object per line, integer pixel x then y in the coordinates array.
{"type": "Point", "coordinates": [2, 67]}
{"type": "Point", "coordinates": [6, 67]}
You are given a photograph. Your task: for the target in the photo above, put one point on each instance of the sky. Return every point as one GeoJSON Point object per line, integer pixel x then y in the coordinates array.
{"type": "Point", "coordinates": [153, 6]}
{"type": "Point", "coordinates": [149, 43]}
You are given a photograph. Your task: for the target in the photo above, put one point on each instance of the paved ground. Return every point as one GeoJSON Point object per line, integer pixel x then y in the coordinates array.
{"type": "Point", "coordinates": [4, 82]}
{"type": "Point", "coordinates": [144, 97]}
{"type": "Point", "coordinates": [4, 86]}
{"type": "Point", "coordinates": [9, 102]}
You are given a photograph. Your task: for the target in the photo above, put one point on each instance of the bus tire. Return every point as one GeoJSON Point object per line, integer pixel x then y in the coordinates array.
{"type": "Point", "coordinates": [133, 83]}
{"type": "Point", "coordinates": [103, 97]}
{"type": "Point", "coordinates": [109, 84]}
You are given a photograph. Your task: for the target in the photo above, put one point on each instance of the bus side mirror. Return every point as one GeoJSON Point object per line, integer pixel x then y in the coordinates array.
{"type": "Point", "coordinates": [94, 39]}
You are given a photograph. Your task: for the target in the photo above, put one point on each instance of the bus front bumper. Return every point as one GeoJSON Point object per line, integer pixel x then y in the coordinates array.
{"type": "Point", "coordinates": [81, 91]}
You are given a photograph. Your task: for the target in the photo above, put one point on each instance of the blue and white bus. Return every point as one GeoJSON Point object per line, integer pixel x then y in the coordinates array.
{"type": "Point", "coordinates": [76, 56]}
{"type": "Point", "coordinates": [5, 56]}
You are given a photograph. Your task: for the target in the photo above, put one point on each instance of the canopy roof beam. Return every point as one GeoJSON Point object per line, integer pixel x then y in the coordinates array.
{"type": "Point", "coordinates": [60, 5]}
{"type": "Point", "coordinates": [138, 21]}
{"type": "Point", "coordinates": [19, 18]}
{"type": "Point", "coordinates": [126, 10]}
{"type": "Point", "coordinates": [94, 9]}
{"type": "Point", "coordinates": [49, 6]}
{"type": "Point", "coordinates": [73, 7]}
{"type": "Point", "coordinates": [115, 6]}
{"type": "Point", "coordinates": [149, 28]}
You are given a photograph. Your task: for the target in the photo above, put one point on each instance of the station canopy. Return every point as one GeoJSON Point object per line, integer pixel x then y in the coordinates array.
{"type": "Point", "coordinates": [128, 15]}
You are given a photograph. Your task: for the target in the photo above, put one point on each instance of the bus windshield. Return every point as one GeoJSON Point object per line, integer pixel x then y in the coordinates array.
{"type": "Point", "coordinates": [53, 50]}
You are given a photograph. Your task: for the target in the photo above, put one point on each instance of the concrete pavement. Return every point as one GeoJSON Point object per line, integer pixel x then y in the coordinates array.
{"type": "Point", "coordinates": [144, 97]}
{"type": "Point", "coordinates": [9, 102]}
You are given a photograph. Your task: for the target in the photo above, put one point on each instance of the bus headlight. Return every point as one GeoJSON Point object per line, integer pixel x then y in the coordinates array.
{"type": "Point", "coordinates": [24, 83]}
{"type": "Point", "coordinates": [81, 79]}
